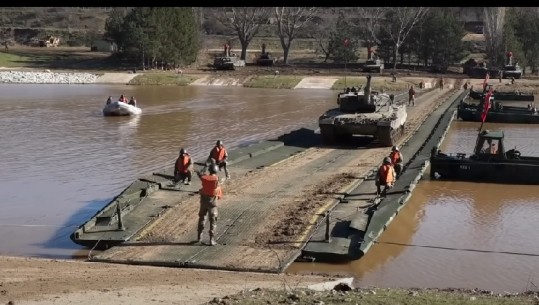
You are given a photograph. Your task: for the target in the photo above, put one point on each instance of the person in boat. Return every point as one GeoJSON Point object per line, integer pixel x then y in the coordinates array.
{"type": "Point", "coordinates": [385, 177]}
{"type": "Point", "coordinates": [109, 100]}
{"type": "Point", "coordinates": [122, 99]}
{"type": "Point", "coordinates": [411, 96]}
{"type": "Point", "coordinates": [183, 168]}
{"type": "Point", "coordinates": [219, 156]}
{"type": "Point", "coordinates": [132, 101]}
{"type": "Point", "coordinates": [396, 160]}
{"type": "Point", "coordinates": [493, 149]}
{"type": "Point", "coordinates": [210, 194]}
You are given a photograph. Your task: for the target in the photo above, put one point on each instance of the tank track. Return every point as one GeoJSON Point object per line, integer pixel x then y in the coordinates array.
{"type": "Point", "coordinates": [388, 137]}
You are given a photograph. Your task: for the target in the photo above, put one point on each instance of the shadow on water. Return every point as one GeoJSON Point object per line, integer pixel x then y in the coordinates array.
{"type": "Point", "coordinates": [60, 239]}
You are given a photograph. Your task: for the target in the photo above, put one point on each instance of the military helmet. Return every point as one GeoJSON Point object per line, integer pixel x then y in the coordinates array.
{"type": "Point", "coordinates": [182, 151]}
{"type": "Point", "coordinates": [395, 148]}
{"type": "Point", "coordinates": [387, 160]}
{"type": "Point", "coordinates": [213, 169]}
{"type": "Point", "coordinates": [219, 143]}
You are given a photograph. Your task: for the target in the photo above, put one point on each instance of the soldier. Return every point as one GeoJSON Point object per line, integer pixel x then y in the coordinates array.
{"type": "Point", "coordinates": [219, 155]}
{"type": "Point", "coordinates": [183, 167]}
{"type": "Point", "coordinates": [396, 160]}
{"type": "Point", "coordinates": [385, 177]}
{"type": "Point", "coordinates": [411, 96]}
{"type": "Point", "coordinates": [210, 193]}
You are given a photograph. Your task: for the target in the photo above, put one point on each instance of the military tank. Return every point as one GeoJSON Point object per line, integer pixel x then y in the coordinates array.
{"type": "Point", "coordinates": [363, 112]}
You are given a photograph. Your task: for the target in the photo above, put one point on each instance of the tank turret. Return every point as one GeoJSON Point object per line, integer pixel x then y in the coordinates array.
{"type": "Point", "coordinates": [364, 111]}
{"type": "Point", "coordinates": [357, 100]}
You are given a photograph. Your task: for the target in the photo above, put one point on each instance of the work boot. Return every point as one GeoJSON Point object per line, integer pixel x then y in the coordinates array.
{"type": "Point", "coordinates": [212, 241]}
{"type": "Point", "coordinates": [199, 237]}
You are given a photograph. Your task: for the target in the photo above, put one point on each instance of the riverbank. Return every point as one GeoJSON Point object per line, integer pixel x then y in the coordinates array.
{"type": "Point", "coordinates": [258, 79]}
{"type": "Point", "coordinates": [336, 82]}
{"type": "Point", "coordinates": [36, 281]}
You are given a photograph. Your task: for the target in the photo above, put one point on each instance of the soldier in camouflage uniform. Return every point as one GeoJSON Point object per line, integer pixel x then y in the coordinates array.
{"type": "Point", "coordinates": [210, 193]}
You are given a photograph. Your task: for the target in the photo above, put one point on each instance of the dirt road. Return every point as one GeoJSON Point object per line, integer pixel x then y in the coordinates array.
{"type": "Point", "coordinates": [34, 281]}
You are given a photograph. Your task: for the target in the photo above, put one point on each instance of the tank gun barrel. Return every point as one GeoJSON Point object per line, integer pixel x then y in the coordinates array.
{"type": "Point", "coordinates": [367, 90]}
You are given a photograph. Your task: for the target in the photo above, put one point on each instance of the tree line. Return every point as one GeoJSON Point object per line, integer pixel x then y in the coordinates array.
{"type": "Point", "coordinates": [413, 35]}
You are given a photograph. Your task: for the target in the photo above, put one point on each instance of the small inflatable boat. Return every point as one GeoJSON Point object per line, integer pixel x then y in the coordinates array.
{"type": "Point", "coordinates": [120, 108]}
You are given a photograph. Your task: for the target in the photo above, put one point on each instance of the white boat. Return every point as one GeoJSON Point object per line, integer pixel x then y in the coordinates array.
{"type": "Point", "coordinates": [120, 108]}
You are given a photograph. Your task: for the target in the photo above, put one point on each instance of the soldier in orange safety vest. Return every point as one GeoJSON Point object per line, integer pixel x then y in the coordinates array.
{"type": "Point", "coordinates": [396, 160]}
{"type": "Point", "coordinates": [219, 155]}
{"type": "Point", "coordinates": [183, 167]}
{"type": "Point", "coordinates": [385, 177]}
{"type": "Point", "coordinates": [210, 193]}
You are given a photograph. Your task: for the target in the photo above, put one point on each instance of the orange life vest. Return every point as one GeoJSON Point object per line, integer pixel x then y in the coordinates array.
{"type": "Point", "coordinates": [386, 174]}
{"type": "Point", "coordinates": [182, 163]}
{"type": "Point", "coordinates": [395, 157]}
{"type": "Point", "coordinates": [218, 153]}
{"type": "Point", "coordinates": [210, 186]}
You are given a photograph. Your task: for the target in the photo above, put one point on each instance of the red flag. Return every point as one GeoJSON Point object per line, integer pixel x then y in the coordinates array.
{"type": "Point", "coordinates": [346, 42]}
{"type": "Point", "coordinates": [486, 106]}
{"type": "Point", "coordinates": [486, 81]}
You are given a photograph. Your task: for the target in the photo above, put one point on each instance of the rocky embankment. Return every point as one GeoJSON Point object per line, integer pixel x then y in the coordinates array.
{"type": "Point", "coordinates": [27, 77]}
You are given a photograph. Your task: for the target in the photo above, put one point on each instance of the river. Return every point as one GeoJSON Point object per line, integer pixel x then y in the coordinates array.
{"type": "Point", "coordinates": [458, 234]}
{"type": "Point", "coordinates": [62, 161]}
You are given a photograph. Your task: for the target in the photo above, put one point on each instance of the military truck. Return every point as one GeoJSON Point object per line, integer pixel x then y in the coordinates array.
{"type": "Point", "coordinates": [363, 112]}
{"type": "Point", "coordinates": [373, 65]}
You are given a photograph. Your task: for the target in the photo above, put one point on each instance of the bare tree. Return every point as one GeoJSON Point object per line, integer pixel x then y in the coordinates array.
{"type": "Point", "coordinates": [289, 21]}
{"type": "Point", "coordinates": [395, 22]}
{"type": "Point", "coordinates": [369, 23]}
{"type": "Point", "coordinates": [321, 29]}
{"type": "Point", "coordinates": [245, 21]}
{"type": "Point", "coordinates": [494, 21]}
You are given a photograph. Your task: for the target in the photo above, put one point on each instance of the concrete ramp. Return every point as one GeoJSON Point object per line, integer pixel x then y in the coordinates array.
{"type": "Point", "coordinates": [115, 78]}
{"type": "Point", "coordinates": [316, 82]}
{"type": "Point", "coordinates": [218, 81]}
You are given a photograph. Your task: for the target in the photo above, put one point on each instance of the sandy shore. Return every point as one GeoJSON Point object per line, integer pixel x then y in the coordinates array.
{"type": "Point", "coordinates": [44, 281]}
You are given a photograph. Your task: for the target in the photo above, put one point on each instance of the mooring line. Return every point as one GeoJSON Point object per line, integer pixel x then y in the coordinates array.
{"type": "Point", "coordinates": [458, 249]}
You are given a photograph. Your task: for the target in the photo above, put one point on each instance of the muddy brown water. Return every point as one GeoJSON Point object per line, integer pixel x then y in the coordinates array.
{"type": "Point", "coordinates": [458, 234]}
{"type": "Point", "coordinates": [61, 160]}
